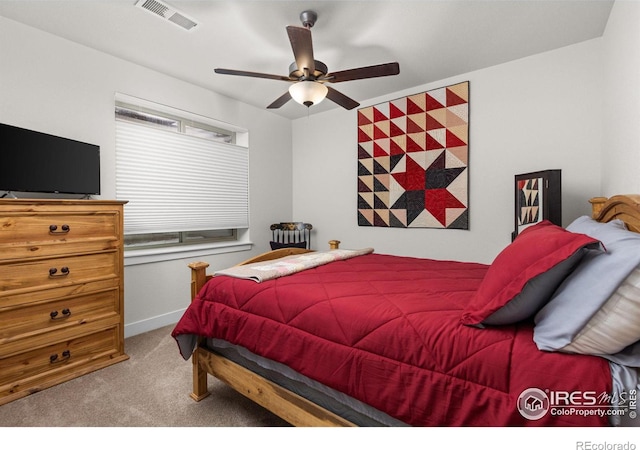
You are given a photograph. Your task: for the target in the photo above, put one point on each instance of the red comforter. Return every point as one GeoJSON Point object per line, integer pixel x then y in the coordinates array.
{"type": "Point", "coordinates": [385, 330]}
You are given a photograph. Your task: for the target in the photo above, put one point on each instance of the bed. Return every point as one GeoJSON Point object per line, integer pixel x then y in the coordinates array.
{"type": "Point", "coordinates": [547, 335]}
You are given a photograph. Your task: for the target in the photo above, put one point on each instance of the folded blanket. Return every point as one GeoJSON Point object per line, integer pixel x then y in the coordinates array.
{"type": "Point", "coordinates": [269, 270]}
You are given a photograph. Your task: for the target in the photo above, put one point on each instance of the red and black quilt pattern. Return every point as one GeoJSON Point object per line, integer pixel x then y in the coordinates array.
{"type": "Point", "coordinates": [413, 156]}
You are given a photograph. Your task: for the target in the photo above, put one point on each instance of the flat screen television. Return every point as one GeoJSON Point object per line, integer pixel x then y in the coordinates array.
{"type": "Point", "coordinates": [31, 161]}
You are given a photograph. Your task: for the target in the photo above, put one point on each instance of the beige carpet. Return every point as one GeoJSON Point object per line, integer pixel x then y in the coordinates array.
{"type": "Point", "coordinates": [151, 389]}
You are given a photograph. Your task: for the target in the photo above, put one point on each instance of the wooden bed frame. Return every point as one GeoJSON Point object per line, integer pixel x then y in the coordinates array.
{"type": "Point", "coordinates": [291, 407]}
{"type": "Point", "coordinates": [288, 405]}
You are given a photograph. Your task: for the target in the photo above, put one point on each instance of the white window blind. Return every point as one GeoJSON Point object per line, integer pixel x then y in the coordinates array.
{"type": "Point", "coordinates": [178, 182]}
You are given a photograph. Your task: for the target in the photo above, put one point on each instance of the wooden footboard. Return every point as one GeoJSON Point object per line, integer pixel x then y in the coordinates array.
{"type": "Point", "coordinates": [289, 406]}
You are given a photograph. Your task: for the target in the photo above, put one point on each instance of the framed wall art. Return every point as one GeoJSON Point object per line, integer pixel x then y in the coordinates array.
{"type": "Point", "coordinates": [537, 198]}
{"type": "Point", "coordinates": [413, 161]}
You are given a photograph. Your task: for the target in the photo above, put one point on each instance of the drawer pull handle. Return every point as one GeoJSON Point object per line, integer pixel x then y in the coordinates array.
{"type": "Point", "coordinates": [53, 359]}
{"type": "Point", "coordinates": [53, 229]}
{"type": "Point", "coordinates": [65, 313]}
{"type": "Point", "coordinates": [53, 272]}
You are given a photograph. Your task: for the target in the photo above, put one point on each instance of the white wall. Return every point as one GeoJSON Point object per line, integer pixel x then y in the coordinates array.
{"type": "Point", "coordinates": [621, 136]}
{"type": "Point", "coordinates": [55, 86]}
{"type": "Point", "coordinates": [537, 113]}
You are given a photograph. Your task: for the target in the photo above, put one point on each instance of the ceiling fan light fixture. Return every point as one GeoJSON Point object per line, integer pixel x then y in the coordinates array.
{"type": "Point", "coordinates": [308, 75]}
{"type": "Point", "coordinates": [308, 93]}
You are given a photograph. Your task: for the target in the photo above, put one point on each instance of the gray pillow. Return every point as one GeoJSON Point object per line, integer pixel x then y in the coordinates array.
{"type": "Point", "coordinates": [590, 285]}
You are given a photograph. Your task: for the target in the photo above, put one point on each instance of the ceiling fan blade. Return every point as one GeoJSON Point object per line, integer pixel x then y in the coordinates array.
{"type": "Point", "coordinates": [244, 73]}
{"type": "Point", "coordinates": [284, 98]}
{"type": "Point", "coordinates": [380, 70]}
{"type": "Point", "coordinates": [302, 47]}
{"type": "Point", "coordinates": [341, 99]}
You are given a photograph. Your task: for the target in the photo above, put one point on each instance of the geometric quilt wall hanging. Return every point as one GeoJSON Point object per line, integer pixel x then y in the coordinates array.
{"type": "Point", "coordinates": [530, 201]}
{"type": "Point", "coordinates": [413, 161]}
{"type": "Point", "coordinates": [538, 197]}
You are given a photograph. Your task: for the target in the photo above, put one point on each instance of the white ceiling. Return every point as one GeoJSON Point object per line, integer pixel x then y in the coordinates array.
{"type": "Point", "coordinates": [431, 40]}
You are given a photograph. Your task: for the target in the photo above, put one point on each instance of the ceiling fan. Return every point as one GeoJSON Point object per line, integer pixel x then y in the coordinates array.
{"type": "Point", "coordinates": [309, 75]}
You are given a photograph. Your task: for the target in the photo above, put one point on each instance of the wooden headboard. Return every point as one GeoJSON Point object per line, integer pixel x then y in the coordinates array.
{"type": "Point", "coordinates": [622, 207]}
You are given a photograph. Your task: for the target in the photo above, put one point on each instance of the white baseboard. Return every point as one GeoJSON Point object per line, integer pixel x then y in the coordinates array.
{"type": "Point", "coordinates": [152, 323]}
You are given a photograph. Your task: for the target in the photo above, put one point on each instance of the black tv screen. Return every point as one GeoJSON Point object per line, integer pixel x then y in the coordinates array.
{"type": "Point", "coordinates": [31, 161]}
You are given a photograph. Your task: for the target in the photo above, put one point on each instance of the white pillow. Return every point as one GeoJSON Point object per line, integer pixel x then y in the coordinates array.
{"type": "Point", "coordinates": [592, 283]}
{"type": "Point", "coordinates": [615, 325]}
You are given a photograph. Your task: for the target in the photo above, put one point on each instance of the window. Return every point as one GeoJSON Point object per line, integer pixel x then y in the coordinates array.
{"type": "Point", "coordinates": [148, 240]}
{"type": "Point", "coordinates": [184, 177]}
{"type": "Point", "coordinates": [172, 123]}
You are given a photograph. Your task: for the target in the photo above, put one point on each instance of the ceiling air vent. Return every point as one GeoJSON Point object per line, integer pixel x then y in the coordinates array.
{"type": "Point", "coordinates": [168, 13]}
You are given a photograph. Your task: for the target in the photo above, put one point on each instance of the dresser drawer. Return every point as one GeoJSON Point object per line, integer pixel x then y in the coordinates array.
{"type": "Point", "coordinates": [45, 234]}
{"type": "Point", "coordinates": [20, 322]}
{"type": "Point", "coordinates": [41, 274]}
{"type": "Point", "coordinates": [40, 367]}
{"type": "Point", "coordinates": [49, 226]}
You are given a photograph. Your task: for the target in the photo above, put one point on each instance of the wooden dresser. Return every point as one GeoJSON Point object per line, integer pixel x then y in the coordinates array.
{"type": "Point", "coordinates": [61, 291]}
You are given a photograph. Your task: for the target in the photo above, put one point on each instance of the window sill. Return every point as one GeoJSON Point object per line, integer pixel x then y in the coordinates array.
{"type": "Point", "coordinates": [153, 255]}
